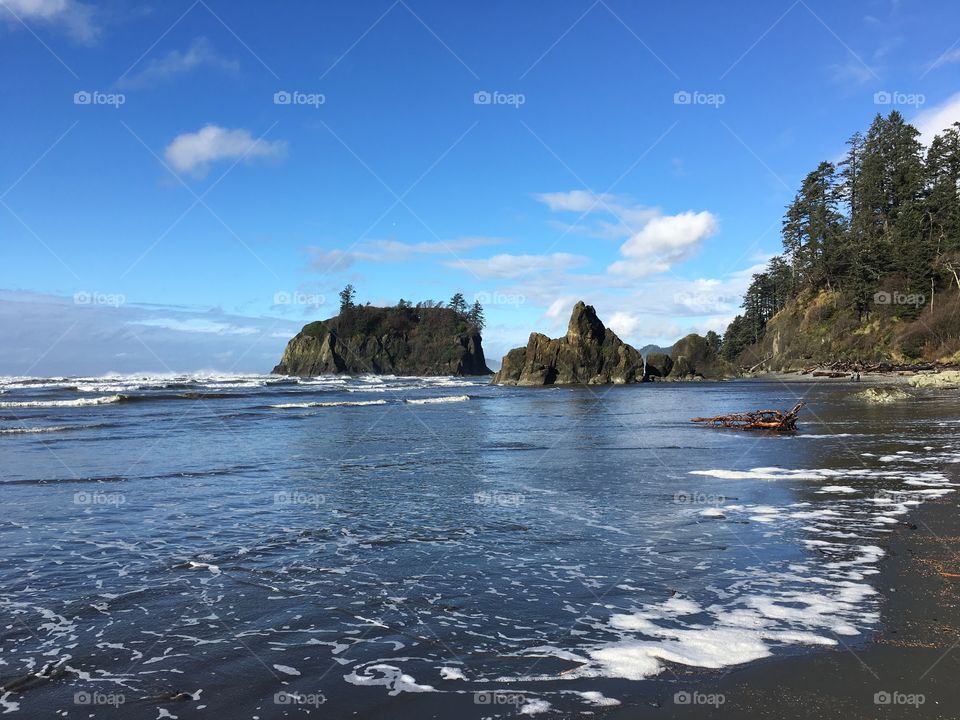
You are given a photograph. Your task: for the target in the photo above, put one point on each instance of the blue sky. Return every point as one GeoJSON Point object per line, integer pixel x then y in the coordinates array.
{"type": "Point", "coordinates": [184, 184]}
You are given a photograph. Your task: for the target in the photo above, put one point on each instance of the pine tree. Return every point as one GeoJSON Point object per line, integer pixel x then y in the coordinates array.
{"type": "Point", "coordinates": [347, 297]}
{"type": "Point", "coordinates": [476, 316]}
{"type": "Point", "coordinates": [458, 304]}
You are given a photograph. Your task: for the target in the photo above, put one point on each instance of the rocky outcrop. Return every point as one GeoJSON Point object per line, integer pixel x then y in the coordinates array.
{"type": "Point", "coordinates": [395, 341]}
{"type": "Point", "coordinates": [659, 365]}
{"type": "Point", "coordinates": [589, 354]}
{"type": "Point", "coordinates": [694, 358]}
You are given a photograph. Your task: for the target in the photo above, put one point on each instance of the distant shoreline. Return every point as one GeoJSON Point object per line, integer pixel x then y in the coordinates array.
{"type": "Point", "coordinates": [920, 378]}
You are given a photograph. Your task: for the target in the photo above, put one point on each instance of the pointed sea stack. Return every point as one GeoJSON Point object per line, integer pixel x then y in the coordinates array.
{"type": "Point", "coordinates": [589, 354]}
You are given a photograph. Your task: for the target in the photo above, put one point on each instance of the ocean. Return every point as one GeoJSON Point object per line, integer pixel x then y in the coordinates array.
{"type": "Point", "coordinates": [253, 546]}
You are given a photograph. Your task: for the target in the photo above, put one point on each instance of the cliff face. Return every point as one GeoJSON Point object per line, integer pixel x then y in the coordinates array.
{"type": "Point", "coordinates": [395, 341]}
{"type": "Point", "coordinates": [823, 327]}
{"type": "Point", "coordinates": [589, 354]}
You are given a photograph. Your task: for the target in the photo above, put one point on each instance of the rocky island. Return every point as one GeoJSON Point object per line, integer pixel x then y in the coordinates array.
{"type": "Point", "coordinates": [401, 340]}
{"type": "Point", "coordinates": [589, 354]}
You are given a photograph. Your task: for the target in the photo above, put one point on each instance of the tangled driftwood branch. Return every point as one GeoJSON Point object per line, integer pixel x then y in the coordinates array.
{"type": "Point", "coordinates": [757, 420]}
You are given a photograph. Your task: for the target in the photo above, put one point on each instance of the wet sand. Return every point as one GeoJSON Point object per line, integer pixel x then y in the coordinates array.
{"type": "Point", "coordinates": [910, 669]}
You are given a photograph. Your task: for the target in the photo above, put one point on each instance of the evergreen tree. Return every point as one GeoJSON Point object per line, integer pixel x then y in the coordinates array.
{"type": "Point", "coordinates": [475, 316]}
{"type": "Point", "coordinates": [813, 229]}
{"type": "Point", "coordinates": [458, 304]}
{"type": "Point", "coordinates": [347, 297]}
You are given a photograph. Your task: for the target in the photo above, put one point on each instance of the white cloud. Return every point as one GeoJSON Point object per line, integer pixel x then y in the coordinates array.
{"type": "Point", "coordinates": [329, 261]}
{"type": "Point", "coordinates": [337, 260]}
{"type": "Point", "coordinates": [574, 200]}
{"type": "Point", "coordinates": [624, 323]}
{"type": "Point", "coordinates": [937, 118]}
{"type": "Point", "coordinates": [628, 216]}
{"type": "Point", "coordinates": [132, 337]}
{"type": "Point", "coordinates": [197, 325]}
{"type": "Point", "coordinates": [193, 153]}
{"type": "Point", "coordinates": [394, 249]}
{"type": "Point", "coordinates": [663, 242]}
{"type": "Point", "coordinates": [74, 17]}
{"type": "Point", "coordinates": [176, 62]}
{"type": "Point", "coordinates": [506, 267]}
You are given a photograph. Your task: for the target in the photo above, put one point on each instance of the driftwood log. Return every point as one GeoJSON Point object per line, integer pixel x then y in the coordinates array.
{"type": "Point", "coordinates": [775, 420]}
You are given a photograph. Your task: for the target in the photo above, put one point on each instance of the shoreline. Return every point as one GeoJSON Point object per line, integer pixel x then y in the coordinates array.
{"type": "Point", "coordinates": [907, 378]}
{"type": "Point", "coordinates": [912, 661]}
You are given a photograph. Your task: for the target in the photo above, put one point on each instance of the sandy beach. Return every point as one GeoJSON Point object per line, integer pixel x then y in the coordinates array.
{"type": "Point", "coordinates": [908, 670]}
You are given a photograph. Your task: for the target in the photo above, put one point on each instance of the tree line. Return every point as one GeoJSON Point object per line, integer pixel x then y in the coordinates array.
{"type": "Point", "coordinates": [885, 220]}
{"type": "Point", "coordinates": [472, 314]}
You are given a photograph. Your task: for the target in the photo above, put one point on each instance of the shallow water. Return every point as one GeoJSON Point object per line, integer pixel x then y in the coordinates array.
{"type": "Point", "coordinates": [259, 546]}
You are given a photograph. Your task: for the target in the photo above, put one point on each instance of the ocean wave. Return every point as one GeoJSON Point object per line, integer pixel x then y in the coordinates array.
{"type": "Point", "coordinates": [30, 430]}
{"type": "Point", "coordinates": [431, 401]}
{"type": "Point", "coordinates": [79, 402]}
{"type": "Point", "coordinates": [341, 403]}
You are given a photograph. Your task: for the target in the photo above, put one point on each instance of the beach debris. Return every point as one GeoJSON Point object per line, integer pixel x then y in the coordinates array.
{"type": "Point", "coordinates": [775, 420]}
{"type": "Point", "coordinates": [844, 368]}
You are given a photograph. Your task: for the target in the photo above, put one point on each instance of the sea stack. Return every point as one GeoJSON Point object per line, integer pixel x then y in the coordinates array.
{"type": "Point", "coordinates": [589, 354]}
{"type": "Point", "coordinates": [395, 341]}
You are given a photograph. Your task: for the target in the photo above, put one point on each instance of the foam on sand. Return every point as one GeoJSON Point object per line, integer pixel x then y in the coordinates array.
{"type": "Point", "coordinates": [766, 473]}
{"type": "Point", "coordinates": [390, 676]}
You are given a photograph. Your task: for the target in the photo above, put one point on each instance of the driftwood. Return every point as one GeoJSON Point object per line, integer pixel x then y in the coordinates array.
{"type": "Point", "coordinates": [840, 368]}
{"type": "Point", "coordinates": [775, 420]}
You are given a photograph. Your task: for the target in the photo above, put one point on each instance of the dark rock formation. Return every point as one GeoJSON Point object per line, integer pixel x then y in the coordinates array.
{"type": "Point", "coordinates": [589, 354]}
{"type": "Point", "coordinates": [395, 341]}
{"type": "Point", "coordinates": [693, 358]}
{"type": "Point", "coordinates": [659, 365]}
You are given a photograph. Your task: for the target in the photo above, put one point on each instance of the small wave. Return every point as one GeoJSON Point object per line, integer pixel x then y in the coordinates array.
{"type": "Point", "coordinates": [52, 428]}
{"type": "Point", "coordinates": [342, 403]}
{"type": "Point", "coordinates": [80, 402]}
{"type": "Point", "coordinates": [431, 401]}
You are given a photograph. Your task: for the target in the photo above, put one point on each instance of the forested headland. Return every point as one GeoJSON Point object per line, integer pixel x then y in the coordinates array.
{"type": "Point", "coordinates": [870, 268]}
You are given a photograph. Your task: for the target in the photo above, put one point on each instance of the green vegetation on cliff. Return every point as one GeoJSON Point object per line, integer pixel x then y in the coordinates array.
{"type": "Point", "coordinates": [871, 259]}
